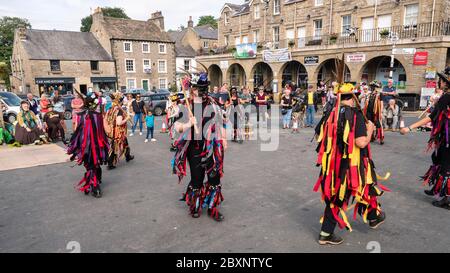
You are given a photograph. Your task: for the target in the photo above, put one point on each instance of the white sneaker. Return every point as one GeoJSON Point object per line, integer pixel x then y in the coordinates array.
{"type": "Point", "coordinates": [153, 140]}
{"type": "Point", "coordinates": [131, 134]}
{"type": "Point", "coordinates": [140, 134]}
{"type": "Point", "coordinates": [146, 141]}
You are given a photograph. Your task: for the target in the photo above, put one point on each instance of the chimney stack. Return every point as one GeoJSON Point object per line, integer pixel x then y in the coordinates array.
{"type": "Point", "coordinates": [158, 19]}
{"type": "Point", "coordinates": [22, 32]}
{"type": "Point", "coordinates": [190, 22]}
{"type": "Point", "coordinates": [97, 15]}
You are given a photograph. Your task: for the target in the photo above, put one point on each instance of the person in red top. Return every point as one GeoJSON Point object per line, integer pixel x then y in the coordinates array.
{"type": "Point", "coordinates": [44, 105]}
{"type": "Point", "coordinates": [261, 104]}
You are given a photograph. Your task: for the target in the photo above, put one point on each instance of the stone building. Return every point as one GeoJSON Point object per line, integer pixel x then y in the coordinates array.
{"type": "Point", "coordinates": [46, 60]}
{"type": "Point", "coordinates": [143, 51]}
{"type": "Point", "coordinates": [191, 42]}
{"type": "Point", "coordinates": [299, 40]}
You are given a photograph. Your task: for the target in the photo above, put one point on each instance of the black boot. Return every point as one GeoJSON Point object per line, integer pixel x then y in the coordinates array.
{"type": "Point", "coordinates": [444, 203]}
{"type": "Point", "coordinates": [429, 192]}
{"type": "Point", "coordinates": [128, 155]}
{"type": "Point", "coordinates": [97, 192]}
{"type": "Point", "coordinates": [330, 240]}
{"type": "Point", "coordinates": [374, 224]}
{"type": "Point", "coordinates": [218, 217]}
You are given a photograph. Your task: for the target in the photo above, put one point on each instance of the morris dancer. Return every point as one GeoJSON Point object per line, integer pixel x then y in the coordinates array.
{"type": "Point", "coordinates": [201, 144]}
{"type": "Point", "coordinates": [373, 110]}
{"type": "Point", "coordinates": [438, 176]}
{"type": "Point", "coordinates": [89, 145]}
{"type": "Point", "coordinates": [348, 172]}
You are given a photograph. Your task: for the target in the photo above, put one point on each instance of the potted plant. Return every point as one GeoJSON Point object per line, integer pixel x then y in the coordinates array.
{"type": "Point", "coordinates": [384, 33]}
{"type": "Point", "coordinates": [333, 38]}
{"type": "Point", "coordinates": [291, 43]}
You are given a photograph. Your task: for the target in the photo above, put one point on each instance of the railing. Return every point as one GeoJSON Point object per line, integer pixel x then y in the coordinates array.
{"type": "Point", "coordinates": [351, 37]}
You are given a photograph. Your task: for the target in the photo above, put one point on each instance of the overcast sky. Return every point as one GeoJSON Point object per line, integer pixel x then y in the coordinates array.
{"type": "Point", "coordinates": [67, 14]}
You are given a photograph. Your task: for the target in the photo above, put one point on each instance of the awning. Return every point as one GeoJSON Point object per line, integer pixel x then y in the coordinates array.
{"type": "Point", "coordinates": [103, 79]}
{"type": "Point", "coordinates": [54, 80]}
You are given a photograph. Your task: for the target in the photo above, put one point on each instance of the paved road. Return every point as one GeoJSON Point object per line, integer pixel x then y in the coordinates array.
{"type": "Point", "coordinates": [269, 204]}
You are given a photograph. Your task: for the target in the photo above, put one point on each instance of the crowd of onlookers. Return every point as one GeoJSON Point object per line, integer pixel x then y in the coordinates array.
{"type": "Point", "coordinates": [42, 121]}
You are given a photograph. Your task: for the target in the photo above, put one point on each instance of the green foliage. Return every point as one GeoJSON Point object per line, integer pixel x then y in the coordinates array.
{"type": "Point", "coordinates": [207, 20]}
{"type": "Point", "coordinates": [86, 22]}
{"type": "Point", "coordinates": [8, 25]}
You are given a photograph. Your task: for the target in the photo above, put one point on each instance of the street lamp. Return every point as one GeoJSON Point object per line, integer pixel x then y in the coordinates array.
{"type": "Point", "coordinates": [393, 37]}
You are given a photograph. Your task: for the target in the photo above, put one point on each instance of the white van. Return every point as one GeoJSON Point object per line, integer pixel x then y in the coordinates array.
{"type": "Point", "coordinates": [12, 104]}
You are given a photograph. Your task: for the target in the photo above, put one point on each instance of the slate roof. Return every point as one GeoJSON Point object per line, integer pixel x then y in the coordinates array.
{"type": "Point", "coordinates": [207, 32]}
{"type": "Point", "coordinates": [64, 45]}
{"type": "Point", "coordinates": [127, 29]}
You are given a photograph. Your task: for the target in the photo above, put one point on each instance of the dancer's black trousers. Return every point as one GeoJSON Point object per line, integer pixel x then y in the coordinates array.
{"type": "Point", "coordinates": [197, 170]}
{"type": "Point", "coordinates": [329, 223]}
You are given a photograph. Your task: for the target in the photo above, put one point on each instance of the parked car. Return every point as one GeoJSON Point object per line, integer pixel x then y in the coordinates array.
{"type": "Point", "coordinates": [156, 103]}
{"type": "Point", "coordinates": [135, 91]}
{"type": "Point", "coordinates": [12, 104]}
{"type": "Point", "coordinates": [67, 106]}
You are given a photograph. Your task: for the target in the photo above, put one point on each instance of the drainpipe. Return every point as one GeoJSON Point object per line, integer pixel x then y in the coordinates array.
{"type": "Point", "coordinates": [432, 18]}
{"type": "Point", "coordinates": [331, 18]}
{"type": "Point", "coordinates": [115, 65]}
{"type": "Point", "coordinates": [375, 10]}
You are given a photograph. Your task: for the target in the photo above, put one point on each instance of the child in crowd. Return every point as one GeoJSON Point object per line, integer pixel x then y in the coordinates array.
{"type": "Point", "coordinates": [150, 121]}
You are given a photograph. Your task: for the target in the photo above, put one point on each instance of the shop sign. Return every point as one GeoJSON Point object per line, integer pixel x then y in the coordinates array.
{"type": "Point", "coordinates": [404, 51]}
{"type": "Point", "coordinates": [356, 58]}
{"type": "Point", "coordinates": [54, 80]}
{"type": "Point", "coordinates": [224, 64]}
{"type": "Point", "coordinates": [421, 58]}
{"type": "Point", "coordinates": [277, 56]}
{"type": "Point", "coordinates": [430, 73]}
{"type": "Point", "coordinates": [311, 60]}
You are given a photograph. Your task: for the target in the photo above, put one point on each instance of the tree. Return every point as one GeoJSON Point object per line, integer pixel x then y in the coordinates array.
{"type": "Point", "coordinates": [86, 22]}
{"type": "Point", "coordinates": [207, 20]}
{"type": "Point", "coordinates": [8, 25]}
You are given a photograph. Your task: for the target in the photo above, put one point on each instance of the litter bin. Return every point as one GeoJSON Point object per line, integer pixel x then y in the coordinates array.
{"type": "Point", "coordinates": [411, 101]}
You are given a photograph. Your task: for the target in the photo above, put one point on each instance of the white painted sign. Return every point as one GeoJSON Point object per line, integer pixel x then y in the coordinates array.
{"type": "Point", "coordinates": [356, 58]}
{"type": "Point", "coordinates": [404, 51]}
{"type": "Point", "coordinates": [224, 64]}
{"type": "Point", "coordinates": [277, 56]}
{"type": "Point", "coordinates": [425, 97]}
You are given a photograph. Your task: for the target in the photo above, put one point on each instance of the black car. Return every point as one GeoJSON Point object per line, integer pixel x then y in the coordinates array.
{"type": "Point", "coordinates": [156, 103]}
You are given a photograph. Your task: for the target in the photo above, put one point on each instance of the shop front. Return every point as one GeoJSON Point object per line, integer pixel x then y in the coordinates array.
{"type": "Point", "coordinates": [49, 85]}
{"type": "Point", "coordinates": [105, 84]}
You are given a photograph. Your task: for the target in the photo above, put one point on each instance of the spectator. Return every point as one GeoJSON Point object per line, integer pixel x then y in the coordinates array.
{"type": "Point", "coordinates": [77, 107]}
{"type": "Point", "coordinates": [364, 97]}
{"type": "Point", "coordinates": [44, 104]}
{"type": "Point", "coordinates": [33, 103]}
{"type": "Point", "coordinates": [58, 103]}
{"type": "Point", "coordinates": [28, 127]}
{"type": "Point", "coordinates": [150, 122]}
{"type": "Point", "coordinates": [312, 102]}
{"type": "Point", "coordinates": [127, 105]}
{"type": "Point", "coordinates": [52, 121]}
{"type": "Point", "coordinates": [435, 98]}
{"type": "Point", "coordinates": [216, 90]}
{"type": "Point", "coordinates": [286, 106]}
{"type": "Point", "coordinates": [5, 135]}
{"type": "Point", "coordinates": [261, 104]}
{"type": "Point", "coordinates": [138, 109]}
{"type": "Point", "coordinates": [391, 116]}
{"type": "Point", "coordinates": [389, 92]}
{"type": "Point", "coordinates": [322, 92]}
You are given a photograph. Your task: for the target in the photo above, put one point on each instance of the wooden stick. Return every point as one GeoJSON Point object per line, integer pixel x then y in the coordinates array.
{"type": "Point", "coordinates": [197, 131]}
